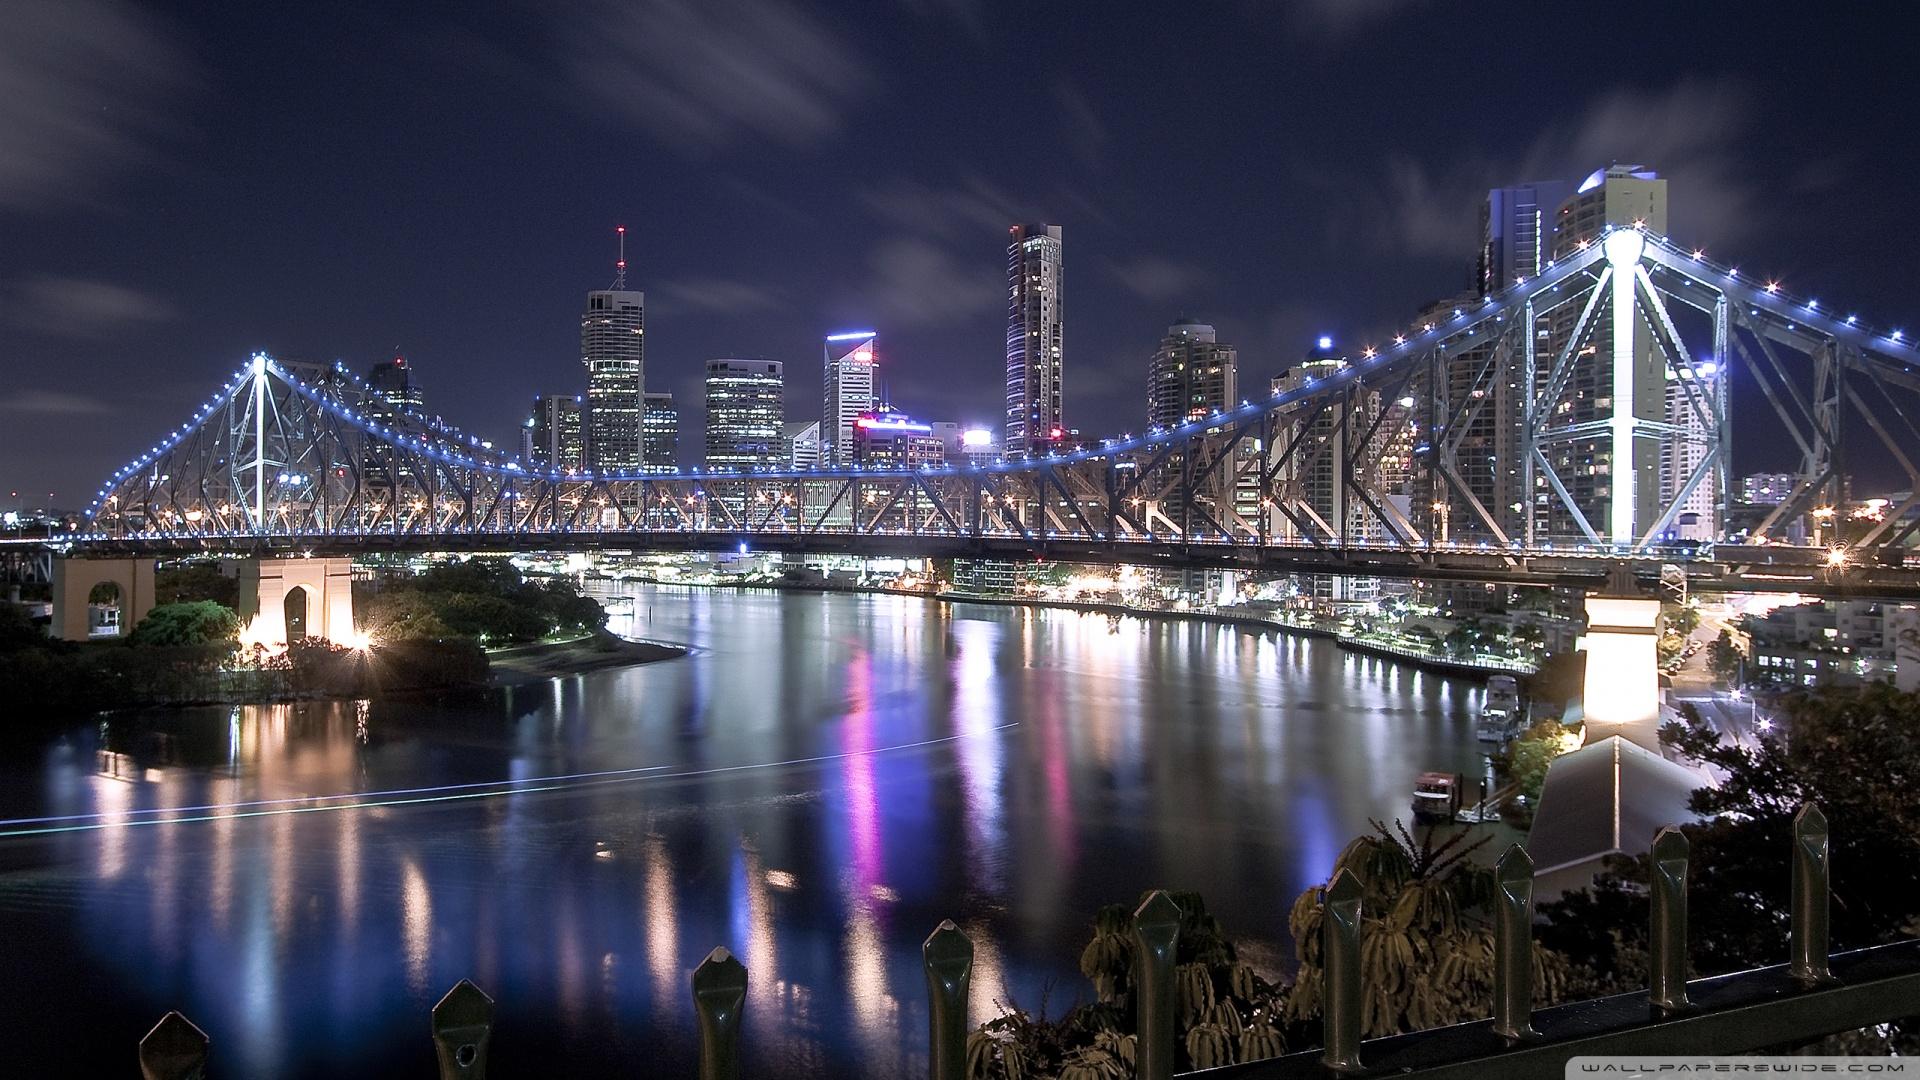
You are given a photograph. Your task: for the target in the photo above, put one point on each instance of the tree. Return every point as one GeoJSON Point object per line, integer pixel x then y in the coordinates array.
{"type": "Point", "coordinates": [491, 619]}
{"type": "Point", "coordinates": [1855, 753]}
{"type": "Point", "coordinates": [195, 581]}
{"type": "Point", "coordinates": [199, 622]}
{"type": "Point", "coordinates": [1426, 943]}
{"type": "Point", "coordinates": [1723, 657]}
{"type": "Point", "coordinates": [403, 615]}
{"type": "Point", "coordinates": [17, 630]}
{"type": "Point", "coordinates": [1530, 755]}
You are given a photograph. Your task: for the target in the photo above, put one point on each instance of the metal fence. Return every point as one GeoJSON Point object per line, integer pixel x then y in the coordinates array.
{"type": "Point", "coordinates": [1814, 994]}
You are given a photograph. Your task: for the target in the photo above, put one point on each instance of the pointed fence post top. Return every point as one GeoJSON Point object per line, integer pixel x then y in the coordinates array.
{"type": "Point", "coordinates": [466, 1005]}
{"type": "Point", "coordinates": [174, 1050]}
{"type": "Point", "coordinates": [947, 946]}
{"type": "Point", "coordinates": [1514, 867]}
{"type": "Point", "coordinates": [1670, 845]}
{"type": "Point", "coordinates": [719, 974]}
{"type": "Point", "coordinates": [1345, 888]}
{"type": "Point", "coordinates": [1809, 823]}
{"type": "Point", "coordinates": [1157, 912]}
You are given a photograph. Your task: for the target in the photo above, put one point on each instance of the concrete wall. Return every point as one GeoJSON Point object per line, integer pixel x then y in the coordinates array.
{"type": "Point", "coordinates": [265, 583]}
{"type": "Point", "coordinates": [73, 579]}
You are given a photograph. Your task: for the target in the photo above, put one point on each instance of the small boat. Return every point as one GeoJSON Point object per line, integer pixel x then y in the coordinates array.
{"type": "Point", "coordinates": [1500, 715]}
{"type": "Point", "coordinates": [1436, 796]}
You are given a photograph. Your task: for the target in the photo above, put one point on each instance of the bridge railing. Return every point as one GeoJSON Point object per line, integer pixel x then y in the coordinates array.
{"type": "Point", "coordinates": [1812, 995]}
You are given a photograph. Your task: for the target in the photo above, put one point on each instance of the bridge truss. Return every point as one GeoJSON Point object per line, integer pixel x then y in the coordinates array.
{"type": "Point", "coordinates": [1378, 465]}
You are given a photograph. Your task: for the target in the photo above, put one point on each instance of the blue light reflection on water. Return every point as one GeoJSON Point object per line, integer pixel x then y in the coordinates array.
{"type": "Point", "coordinates": [1143, 753]}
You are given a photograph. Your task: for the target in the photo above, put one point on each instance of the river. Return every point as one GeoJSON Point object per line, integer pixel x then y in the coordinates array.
{"type": "Point", "coordinates": [820, 782]}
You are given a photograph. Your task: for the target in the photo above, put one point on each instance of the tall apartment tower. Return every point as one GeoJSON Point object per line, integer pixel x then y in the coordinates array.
{"type": "Point", "coordinates": [1191, 375]}
{"type": "Point", "coordinates": [745, 414]}
{"type": "Point", "coordinates": [1616, 195]}
{"type": "Point", "coordinates": [553, 432]}
{"type": "Point", "coordinates": [613, 348]}
{"type": "Point", "coordinates": [850, 375]}
{"type": "Point", "coordinates": [659, 432]}
{"type": "Point", "coordinates": [1035, 321]}
{"type": "Point", "coordinates": [1516, 231]}
{"type": "Point", "coordinates": [1313, 485]}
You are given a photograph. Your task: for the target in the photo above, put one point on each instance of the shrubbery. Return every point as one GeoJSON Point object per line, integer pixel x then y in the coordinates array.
{"type": "Point", "coordinates": [198, 622]}
{"type": "Point", "coordinates": [484, 599]}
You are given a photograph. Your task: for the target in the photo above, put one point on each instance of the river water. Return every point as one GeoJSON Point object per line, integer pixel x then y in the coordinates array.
{"type": "Point", "coordinates": [815, 787]}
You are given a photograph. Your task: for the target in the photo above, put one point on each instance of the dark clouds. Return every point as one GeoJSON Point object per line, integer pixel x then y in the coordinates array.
{"type": "Point", "coordinates": [182, 184]}
{"type": "Point", "coordinates": [87, 87]}
{"type": "Point", "coordinates": [703, 74]}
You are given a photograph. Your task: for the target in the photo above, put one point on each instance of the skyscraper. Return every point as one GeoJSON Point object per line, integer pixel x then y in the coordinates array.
{"type": "Point", "coordinates": [1035, 321]}
{"type": "Point", "coordinates": [850, 369]}
{"type": "Point", "coordinates": [1516, 231]}
{"type": "Point", "coordinates": [394, 390]}
{"type": "Point", "coordinates": [613, 348]}
{"type": "Point", "coordinates": [659, 432]}
{"type": "Point", "coordinates": [744, 414]}
{"type": "Point", "coordinates": [1191, 375]}
{"type": "Point", "coordinates": [553, 432]}
{"type": "Point", "coordinates": [803, 443]}
{"type": "Point", "coordinates": [1617, 195]}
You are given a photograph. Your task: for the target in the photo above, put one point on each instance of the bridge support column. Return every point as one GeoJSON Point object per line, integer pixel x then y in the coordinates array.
{"type": "Point", "coordinates": [73, 583]}
{"type": "Point", "coordinates": [286, 600]}
{"type": "Point", "coordinates": [1621, 695]}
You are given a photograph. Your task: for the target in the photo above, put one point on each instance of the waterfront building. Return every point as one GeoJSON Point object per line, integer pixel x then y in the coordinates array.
{"type": "Point", "coordinates": [894, 440]}
{"type": "Point", "coordinates": [1821, 644]}
{"type": "Point", "coordinates": [745, 402]}
{"type": "Point", "coordinates": [552, 434]}
{"type": "Point", "coordinates": [1685, 449]}
{"type": "Point", "coordinates": [659, 432]}
{"type": "Point", "coordinates": [802, 440]}
{"type": "Point", "coordinates": [613, 350]}
{"type": "Point", "coordinates": [851, 367]}
{"type": "Point", "coordinates": [1036, 322]}
{"type": "Point", "coordinates": [394, 391]}
{"type": "Point", "coordinates": [1619, 195]}
{"type": "Point", "coordinates": [1191, 375]}
{"type": "Point", "coordinates": [1766, 489]}
{"type": "Point", "coordinates": [1313, 501]}
{"type": "Point", "coordinates": [1516, 231]}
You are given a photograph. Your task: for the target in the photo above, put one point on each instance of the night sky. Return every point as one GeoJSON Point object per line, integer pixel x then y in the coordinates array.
{"type": "Point", "coordinates": [182, 184]}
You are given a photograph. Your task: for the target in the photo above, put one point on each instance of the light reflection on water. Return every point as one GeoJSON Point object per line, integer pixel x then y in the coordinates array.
{"type": "Point", "coordinates": [1142, 753]}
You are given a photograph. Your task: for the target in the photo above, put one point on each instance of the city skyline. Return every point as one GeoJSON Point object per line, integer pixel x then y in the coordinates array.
{"type": "Point", "coordinates": [474, 258]}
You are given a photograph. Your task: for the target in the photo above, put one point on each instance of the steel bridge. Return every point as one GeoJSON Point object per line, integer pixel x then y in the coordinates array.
{"type": "Point", "coordinates": [1368, 469]}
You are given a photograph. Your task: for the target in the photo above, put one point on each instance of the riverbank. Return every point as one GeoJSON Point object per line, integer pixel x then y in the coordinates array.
{"type": "Point", "coordinates": [523, 664]}
{"type": "Point", "coordinates": [1476, 668]}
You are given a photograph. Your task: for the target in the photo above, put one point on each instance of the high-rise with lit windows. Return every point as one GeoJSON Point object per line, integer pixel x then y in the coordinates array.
{"type": "Point", "coordinates": [553, 432]}
{"type": "Point", "coordinates": [613, 349]}
{"type": "Point", "coordinates": [851, 367]}
{"type": "Point", "coordinates": [1036, 321]}
{"type": "Point", "coordinates": [1191, 375]}
{"type": "Point", "coordinates": [745, 414]}
{"type": "Point", "coordinates": [660, 432]}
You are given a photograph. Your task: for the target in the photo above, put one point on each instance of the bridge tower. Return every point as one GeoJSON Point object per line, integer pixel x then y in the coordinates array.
{"type": "Point", "coordinates": [1621, 694]}
{"type": "Point", "coordinates": [283, 601]}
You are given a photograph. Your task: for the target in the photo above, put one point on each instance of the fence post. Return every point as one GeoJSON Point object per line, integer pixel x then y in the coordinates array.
{"type": "Point", "coordinates": [1513, 944]}
{"type": "Point", "coordinates": [719, 991]}
{"type": "Point", "coordinates": [1156, 939]}
{"type": "Point", "coordinates": [1667, 964]}
{"type": "Point", "coordinates": [1811, 894]}
{"type": "Point", "coordinates": [948, 956]}
{"type": "Point", "coordinates": [462, 1027]}
{"type": "Point", "coordinates": [1340, 972]}
{"type": "Point", "coordinates": [174, 1050]}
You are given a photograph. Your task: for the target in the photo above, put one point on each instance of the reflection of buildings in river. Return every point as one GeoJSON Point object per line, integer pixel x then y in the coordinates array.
{"type": "Point", "coordinates": [663, 929]}
{"type": "Point", "coordinates": [976, 716]}
{"type": "Point", "coordinates": [864, 952]}
{"type": "Point", "coordinates": [416, 925]}
{"type": "Point", "coordinates": [752, 909]}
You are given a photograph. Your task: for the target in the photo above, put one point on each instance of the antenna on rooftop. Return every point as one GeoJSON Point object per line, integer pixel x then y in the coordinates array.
{"type": "Point", "coordinates": [620, 267]}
